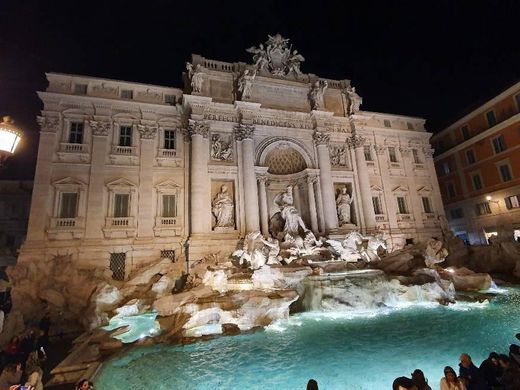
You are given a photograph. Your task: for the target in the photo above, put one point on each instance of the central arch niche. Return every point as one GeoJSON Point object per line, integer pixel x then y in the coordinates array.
{"type": "Point", "coordinates": [284, 160]}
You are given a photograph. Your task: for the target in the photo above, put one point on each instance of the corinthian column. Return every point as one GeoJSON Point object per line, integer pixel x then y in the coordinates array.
{"type": "Point", "coordinates": [312, 204]}
{"type": "Point", "coordinates": [356, 142]}
{"type": "Point", "coordinates": [244, 135]}
{"type": "Point", "coordinates": [327, 188]}
{"type": "Point", "coordinates": [200, 198]}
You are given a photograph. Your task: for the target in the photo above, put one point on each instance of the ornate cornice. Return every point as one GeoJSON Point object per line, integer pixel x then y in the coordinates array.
{"type": "Point", "coordinates": [147, 132]}
{"type": "Point", "coordinates": [404, 151]}
{"type": "Point", "coordinates": [198, 128]}
{"type": "Point", "coordinates": [99, 128]}
{"type": "Point", "coordinates": [428, 152]}
{"type": "Point", "coordinates": [243, 132]}
{"type": "Point", "coordinates": [321, 138]}
{"type": "Point", "coordinates": [355, 141]}
{"type": "Point", "coordinates": [48, 124]}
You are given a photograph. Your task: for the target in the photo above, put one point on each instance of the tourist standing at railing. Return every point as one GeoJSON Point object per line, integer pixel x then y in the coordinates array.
{"type": "Point", "coordinates": [470, 374]}
{"type": "Point", "coordinates": [450, 380]}
{"type": "Point", "coordinates": [490, 370]}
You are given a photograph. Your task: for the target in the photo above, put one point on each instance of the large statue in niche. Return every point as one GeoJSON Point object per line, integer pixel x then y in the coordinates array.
{"type": "Point", "coordinates": [343, 202]}
{"type": "Point", "coordinates": [287, 224]}
{"type": "Point", "coordinates": [223, 209]}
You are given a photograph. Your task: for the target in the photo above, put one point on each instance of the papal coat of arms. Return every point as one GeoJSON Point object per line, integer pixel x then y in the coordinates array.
{"type": "Point", "coordinates": [277, 57]}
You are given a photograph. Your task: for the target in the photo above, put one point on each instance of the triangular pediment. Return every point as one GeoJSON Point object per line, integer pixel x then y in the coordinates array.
{"type": "Point", "coordinates": [400, 189]}
{"type": "Point", "coordinates": [119, 183]}
{"type": "Point", "coordinates": [376, 188]}
{"type": "Point", "coordinates": [68, 181]}
{"type": "Point", "coordinates": [424, 189]}
{"type": "Point", "coordinates": [167, 185]}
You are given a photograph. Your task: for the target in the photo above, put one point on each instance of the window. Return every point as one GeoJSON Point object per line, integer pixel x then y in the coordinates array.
{"type": "Point", "coordinates": [505, 173]}
{"type": "Point", "coordinates": [391, 153]}
{"type": "Point", "coordinates": [499, 144]}
{"type": "Point", "coordinates": [387, 123]}
{"type": "Point", "coordinates": [450, 188]}
{"type": "Point", "coordinates": [376, 201]}
{"type": "Point", "coordinates": [401, 204]}
{"type": "Point", "coordinates": [125, 136]}
{"type": "Point", "coordinates": [470, 156]}
{"type": "Point", "coordinates": [121, 203]}
{"type": "Point", "coordinates": [170, 99]}
{"type": "Point", "coordinates": [482, 208]}
{"type": "Point", "coordinates": [427, 205]}
{"type": "Point", "coordinates": [368, 155]}
{"type": "Point", "coordinates": [457, 213]}
{"type": "Point", "coordinates": [465, 132]}
{"type": "Point", "coordinates": [517, 100]}
{"type": "Point", "coordinates": [127, 94]}
{"type": "Point", "coordinates": [477, 181]}
{"type": "Point", "coordinates": [416, 157]}
{"type": "Point", "coordinates": [80, 89]}
{"type": "Point", "coordinates": [491, 119]}
{"type": "Point", "coordinates": [512, 202]}
{"type": "Point", "coordinates": [118, 265]}
{"type": "Point", "coordinates": [409, 125]}
{"type": "Point", "coordinates": [68, 205]}
{"type": "Point", "coordinates": [168, 254]}
{"type": "Point", "coordinates": [169, 139]}
{"type": "Point", "coordinates": [76, 133]}
{"type": "Point", "coordinates": [168, 209]}
{"type": "Point", "coordinates": [446, 168]}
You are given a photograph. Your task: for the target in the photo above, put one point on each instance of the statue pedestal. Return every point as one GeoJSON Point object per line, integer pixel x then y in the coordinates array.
{"type": "Point", "coordinates": [222, 229]}
{"type": "Point", "coordinates": [347, 227]}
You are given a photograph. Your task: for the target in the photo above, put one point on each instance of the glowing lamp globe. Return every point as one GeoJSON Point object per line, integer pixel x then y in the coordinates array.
{"type": "Point", "coordinates": [10, 136]}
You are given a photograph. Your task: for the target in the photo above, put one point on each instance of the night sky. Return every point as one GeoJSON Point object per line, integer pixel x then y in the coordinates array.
{"type": "Point", "coordinates": [433, 59]}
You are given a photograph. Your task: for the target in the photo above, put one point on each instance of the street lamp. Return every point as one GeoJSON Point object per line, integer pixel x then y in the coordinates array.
{"type": "Point", "coordinates": [489, 199]}
{"type": "Point", "coordinates": [10, 136]}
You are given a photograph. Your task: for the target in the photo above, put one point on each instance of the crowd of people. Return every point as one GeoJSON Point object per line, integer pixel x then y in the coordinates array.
{"type": "Point", "coordinates": [497, 372]}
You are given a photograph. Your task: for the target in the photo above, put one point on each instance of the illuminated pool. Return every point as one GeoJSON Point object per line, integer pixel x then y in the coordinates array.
{"type": "Point", "coordinates": [340, 350]}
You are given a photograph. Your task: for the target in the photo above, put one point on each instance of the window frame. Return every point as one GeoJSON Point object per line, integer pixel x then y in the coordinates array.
{"type": "Point", "coordinates": [74, 124]}
{"type": "Point", "coordinates": [499, 166]}
{"type": "Point", "coordinates": [483, 206]}
{"type": "Point", "coordinates": [492, 111]}
{"type": "Point", "coordinates": [472, 151]}
{"type": "Point", "coordinates": [166, 140]}
{"type": "Point", "coordinates": [377, 201]}
{"type": "Point", "coordinates": [80, 89]}
{"type": "Point", "coordinates": [126, 136]}
{"type": "Point", "coordinates": [116, 213]}
{"type": "Point", "coordinates": [449, 185]}
{"type": "Point", "coordinates": [129, 92]}
{"type": "Point", "coordinates": [474, 175]}
{"type": "Point", "coordinates": [502, 144]}
{"type": "Point", "coordinates": [465, 132]}
{"type": "Point", "coordinates": [394, 155]}
{"type": "Point", "coordinates": [426, 201]}
{"type": "Point", "coordinates": [405, 209]}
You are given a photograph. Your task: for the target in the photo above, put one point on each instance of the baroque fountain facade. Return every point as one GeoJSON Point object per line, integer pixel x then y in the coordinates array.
{"type": "Point", "coordinates": [256, 190]}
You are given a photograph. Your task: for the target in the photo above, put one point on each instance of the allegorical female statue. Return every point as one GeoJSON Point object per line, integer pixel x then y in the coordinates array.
{"type": "Point", "coordinates": [222, 208]}
{"type": "Point", "coordinates": [343, 202]}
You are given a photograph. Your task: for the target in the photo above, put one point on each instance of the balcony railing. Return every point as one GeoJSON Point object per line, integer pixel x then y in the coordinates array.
{"type": "Point", "coordinates": [73, 148]}
{"type": "Point", "coordinates": [380, 217]}
{"type": "Point", "coordinates": [124, 150]}
{"type": "Point", "coordinates": [167, 153]}
{"type": "Point", "coordinates": [429, 216]}
{"type": "Point", "coordinates": [404, 217]}
{"type": "Point", "coordinates": [120, 222]}
{"type": "Point", "coordinates": [63, 223]}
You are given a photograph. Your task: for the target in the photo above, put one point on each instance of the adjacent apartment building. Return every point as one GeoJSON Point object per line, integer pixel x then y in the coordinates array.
{"type": "Point", "coordinates": [478, 164]}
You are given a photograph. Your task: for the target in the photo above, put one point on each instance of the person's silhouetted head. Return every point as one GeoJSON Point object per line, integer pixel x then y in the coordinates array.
{"type": "Point", "coordinates": [312, 385]}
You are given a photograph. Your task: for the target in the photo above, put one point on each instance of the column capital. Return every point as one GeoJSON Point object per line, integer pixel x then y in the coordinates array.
{"type": "Point", "coordinates": [243, 131]}
{"type": "Point", "coordinates": [198, 128]}
{"type": "Point", "coordinates": [48, 124]}
{"type": "Point", "coordinates": [311, 179]}
{"type": "Point", "coordinates": [404, 151]}
{"type": "Point", "coordinates": [428, 151]}
{"type": "Point", "coordinates": [147, 132]}
{"type": "Point", "coordinates": [100, 128]}
{"type": "Point", "coordinates": [321, 138]}
{"type": "Point", "coordinates": [355, 141]}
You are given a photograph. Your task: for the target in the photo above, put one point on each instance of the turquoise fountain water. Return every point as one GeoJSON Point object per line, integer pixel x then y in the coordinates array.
{"type": "Point", "coordinates": [341, 350]}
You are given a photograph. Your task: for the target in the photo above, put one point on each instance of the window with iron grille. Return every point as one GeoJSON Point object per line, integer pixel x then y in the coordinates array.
{"type": "Point", "coordinates": [368, 155]}
{"type": "Point", "coordinates": [416, 157]}
{"type": "Point", "coordinates": [68, 204]}
{"type": "Point", "coordinates": [499, 144]}
{"type": "Point", "coordinates": [80, 89]}
{"type": "Point", "coordinates": [169, 209]}
{"type": "Point", "coordinates": [512, 202]}
{"type": "Point", "coordinates": [118, 265]}
{"type": "Point", "coordinates": [121, 203]}
{"type": "Point", "coordinates": [170, 99]}
{"type": "Point", "coordinates": [125, 136]}
{"type": "Point", "coordinates": [376, 201]}
{"type": "Point", "coordinates": [482, 208]}
{"type": "Point", "coordinates": [491, 119]}
{"type": "Point", "coordinates": [470, 155]}
{"type": "Point", "coordinates": [387, 123]}
{"type": "Point", "coordinates": [169, 139]}
{"type": "Point", "coordinates": [505, 172]}
{"type": "Point", "coordinates": [427, 204]}
{"type": "Point", "coordinates": [76, 133]}
{"type": "Point", "coordinates": [127, 94]}
{"type": "Point", "coordinates": [168, 254]}
{"type": "Point", "coordinates": [391, 153]}
{"type": "Point", "coordinates": [401, 204]}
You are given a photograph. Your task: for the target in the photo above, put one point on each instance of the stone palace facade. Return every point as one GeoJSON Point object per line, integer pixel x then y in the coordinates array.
{"type": "Point", "coordinates": [128, 173]}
